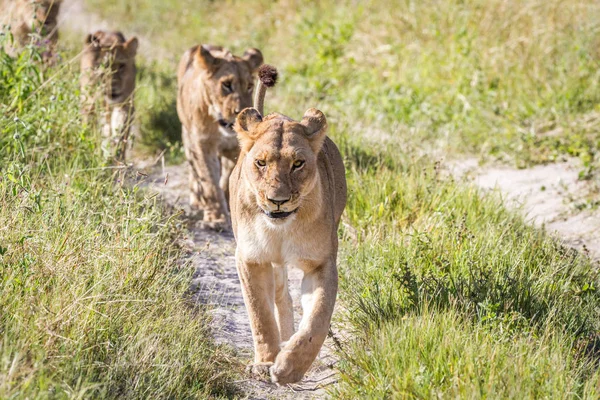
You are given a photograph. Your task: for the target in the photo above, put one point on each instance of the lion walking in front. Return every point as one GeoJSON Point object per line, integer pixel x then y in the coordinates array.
{"type": "Point", "coordinates": [288, 192]}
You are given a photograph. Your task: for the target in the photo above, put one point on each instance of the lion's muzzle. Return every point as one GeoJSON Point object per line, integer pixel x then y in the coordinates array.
{"type": "Point", "coordinates": [279, 214]}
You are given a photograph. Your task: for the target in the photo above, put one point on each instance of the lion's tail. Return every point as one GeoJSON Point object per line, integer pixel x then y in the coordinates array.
{"type": "Point", "coordinates": [267, 77]}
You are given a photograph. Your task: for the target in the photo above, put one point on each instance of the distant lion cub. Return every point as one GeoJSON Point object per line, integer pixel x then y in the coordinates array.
{"type": "Point", "coordinates": [32, 20]}
{"type": "Point", "coordinates": [108, 76]}
{"type": "Point", "coordinates": [214, 86]}
{"type": "Point", "coordinates": [288, 192]}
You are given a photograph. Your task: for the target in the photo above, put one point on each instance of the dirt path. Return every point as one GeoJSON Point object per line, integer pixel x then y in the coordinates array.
{"type": "Point", "coordinates": [546, 194]}
{"type": "Point", "coordinates": [216, 283]}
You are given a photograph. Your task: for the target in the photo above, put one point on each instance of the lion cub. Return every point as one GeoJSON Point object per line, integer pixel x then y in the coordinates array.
{"type": "Point", "coordinates": [288, 192]}
{"type": "Point", "coordinates": [214, 86]}
{"type": "Point", "coordinates": [108, 76]}
{"type": "Point", "coordinates": [37, 19]}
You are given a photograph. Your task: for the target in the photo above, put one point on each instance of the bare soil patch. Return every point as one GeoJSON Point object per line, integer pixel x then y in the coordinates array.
{"type": "Point", "coordinates": [546, 194]}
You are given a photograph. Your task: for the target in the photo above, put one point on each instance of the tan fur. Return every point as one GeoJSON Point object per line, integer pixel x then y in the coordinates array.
{"type": "Point", "coordinates": [265, 180]}
{"type": "Point", "coordinates": [32, 20]}
{"type": "Point", "coordinates": [214, 86]}
{"type": "Point", "coordinates": [108, 77]}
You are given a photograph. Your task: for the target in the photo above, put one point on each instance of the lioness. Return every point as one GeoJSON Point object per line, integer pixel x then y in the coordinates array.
{"type": "Point", "coordinates": [288, 192]}
{"type": "Point", "coordinates": [108, 75]}
{"type": "Point", "coordinates": [214, 86]}
{"type": "Point", "coordinates": [37, 17]}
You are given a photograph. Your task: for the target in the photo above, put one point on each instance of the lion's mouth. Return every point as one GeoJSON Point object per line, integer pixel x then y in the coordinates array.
{"type": "Point", "coordinates": [115, 93]}
{"type": "Point", "coordinates": [226, 128]}
{"type": "Point", "coordinates": [225, 124]}
{"type": "Point", "coordinates": [279, 214]}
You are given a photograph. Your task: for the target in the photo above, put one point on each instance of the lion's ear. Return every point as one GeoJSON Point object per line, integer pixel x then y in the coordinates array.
{"type": "Point", "coordinates": [93, 38]}
{"type": "Point", "coordinates": [254, 58]}
{"type": "Point", "coordinates": [315, 128]}
{"type": "Point", "coordinates": [132, 45]}
{"type": "Point", "coordinates": [245, 124]}
{"type": "Point", "coordinates": [206, 60]}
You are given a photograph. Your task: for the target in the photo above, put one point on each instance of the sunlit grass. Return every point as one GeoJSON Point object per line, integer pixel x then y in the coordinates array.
{"type": "Point", "coordinates": [507, 79]}
{"type": "Point", "coordinates": [439, 355]}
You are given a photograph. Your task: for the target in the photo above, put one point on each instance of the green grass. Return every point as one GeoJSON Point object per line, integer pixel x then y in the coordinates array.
{"type": "Point", "coordinates": [446, 293]}
{"type": "Point", "coordinates": [157, 111]}
{"type": "Point", "coordinates": [440, 282]}
{"type": "Point", "coordinates": [92, 294]}
{"type": "Point", "coordinates": [439, 355]}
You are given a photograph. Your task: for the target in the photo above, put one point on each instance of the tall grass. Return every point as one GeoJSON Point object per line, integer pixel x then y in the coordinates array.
{"type": "Point", "coordinates": [439, 355]}
{"type": "Point", "coordinates": [92, 296]}
{"type": "Point", "coordinates": [442, 282]}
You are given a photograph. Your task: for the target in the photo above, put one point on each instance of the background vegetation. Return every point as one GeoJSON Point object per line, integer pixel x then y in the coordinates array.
{"type": "Point", "coordinates": [507, 79]}
{"type": "Point", "coordinates": [446, 293]}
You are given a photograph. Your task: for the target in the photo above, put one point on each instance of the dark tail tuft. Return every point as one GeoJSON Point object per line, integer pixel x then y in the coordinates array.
{"type": "Point", "coordinates": [268, 75]}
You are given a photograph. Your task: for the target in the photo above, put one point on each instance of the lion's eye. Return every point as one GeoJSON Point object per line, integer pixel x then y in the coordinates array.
{"type": "Point", "coordinates": [298, 164]}
{"type": "Point", "coordinates": [260, 163]}
{"type": "Point", "coordinates": [251, 87]}
{"type": "Point", "coordinates": [227, 87]}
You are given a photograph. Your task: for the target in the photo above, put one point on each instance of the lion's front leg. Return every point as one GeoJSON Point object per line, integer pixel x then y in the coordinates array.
{"type": "Point", "coordinates": [88, 106]}
{"type": "Point", "coordinates": [121, 121]}
{"type": "Point", "coordinates": [107, 142]}
{"type": "Point", "coordinates": [229, 150]}
{"type": "Point", "coordinates": [193, 179]}
{"type": "Point", "coordinates": [226, 168]}
{"type": "Point", "coordinates": [284, 307]}
{"type": "Point", "coordinates": [258, 289]}
{"type": "Point", "coordinates": [319, 290]}
{"type": "Point", "coordinates": [206, 169]}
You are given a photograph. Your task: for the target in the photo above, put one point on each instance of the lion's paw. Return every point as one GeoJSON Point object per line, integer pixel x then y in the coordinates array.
{"type": "Point", "coordinates": [286, 370]}
{"type": "Point", "coordinates": [259, 370]}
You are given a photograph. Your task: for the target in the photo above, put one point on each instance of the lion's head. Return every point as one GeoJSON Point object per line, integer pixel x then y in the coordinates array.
{"type": "Point", "coordinates": [228, 80]}
{"type": "Point", "coordinates": [42, 16]}
{"type": "Point", "coordinates": [46, 13]}
{"type": "Point", "coordinates": [280, 162]}
{"type": "Point", "coordinates": [111, 60]}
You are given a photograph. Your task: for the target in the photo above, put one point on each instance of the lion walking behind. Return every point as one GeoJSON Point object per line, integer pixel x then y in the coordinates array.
{"type": "Point", "coordinates": [108, 81]}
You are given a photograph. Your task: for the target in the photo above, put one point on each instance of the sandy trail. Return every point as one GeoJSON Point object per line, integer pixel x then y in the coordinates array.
{"type": "Point", "coordinates": [216, 283]}
{"type": "Point", "coordinates": [546, 195]}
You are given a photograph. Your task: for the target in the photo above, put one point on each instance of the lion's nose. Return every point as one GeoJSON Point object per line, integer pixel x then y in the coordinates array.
{"type": "Point", "coordinates": [279, 202]}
